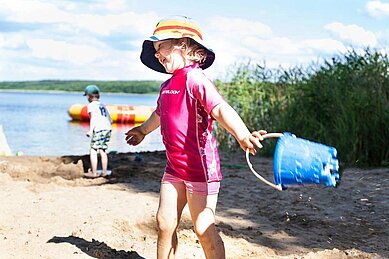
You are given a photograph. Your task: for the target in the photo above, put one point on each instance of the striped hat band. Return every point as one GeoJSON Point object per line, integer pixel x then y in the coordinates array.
{"type": "Point", "coordinates": [178, 29]}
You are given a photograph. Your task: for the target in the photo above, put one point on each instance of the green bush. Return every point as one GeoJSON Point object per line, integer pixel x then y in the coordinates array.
{"type": "Point", "coordinates": [342, 103]}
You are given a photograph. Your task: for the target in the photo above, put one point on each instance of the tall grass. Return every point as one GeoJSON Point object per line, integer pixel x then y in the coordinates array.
{"type": "Point", "coordinates": [342, 102]}
{"type": "Point", "coordinates": [257, 99]}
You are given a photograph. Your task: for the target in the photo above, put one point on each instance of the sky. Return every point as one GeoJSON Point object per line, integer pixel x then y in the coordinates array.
{"type": "Point", "coordinates": [102, 39]}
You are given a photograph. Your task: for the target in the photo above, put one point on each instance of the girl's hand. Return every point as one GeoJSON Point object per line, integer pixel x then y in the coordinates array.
{"type": "Point", "coordinates": [134, 136]}
{"type": "Point", "coordinates": [252, 141]}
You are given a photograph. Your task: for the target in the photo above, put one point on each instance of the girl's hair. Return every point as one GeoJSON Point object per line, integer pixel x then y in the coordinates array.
{"type": "Point", "coordinates": [191, 49]}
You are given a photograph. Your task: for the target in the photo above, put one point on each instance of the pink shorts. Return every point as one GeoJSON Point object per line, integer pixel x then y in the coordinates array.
{"type": "Point", "coordinates": [203, 188]}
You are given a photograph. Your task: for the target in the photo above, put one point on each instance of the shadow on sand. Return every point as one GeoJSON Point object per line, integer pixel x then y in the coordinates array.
{"type": "Point", "coordinates": [351, 216]}
{"type": "Point", "coordinates": [95, 248]}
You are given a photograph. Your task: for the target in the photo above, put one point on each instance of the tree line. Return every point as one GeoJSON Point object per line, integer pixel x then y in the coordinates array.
{"type": "Point", "coordinates": [138, 87]}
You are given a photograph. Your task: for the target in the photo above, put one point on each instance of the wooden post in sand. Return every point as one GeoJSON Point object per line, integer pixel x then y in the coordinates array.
{"type": "Point", "coordinates": [4, 148]}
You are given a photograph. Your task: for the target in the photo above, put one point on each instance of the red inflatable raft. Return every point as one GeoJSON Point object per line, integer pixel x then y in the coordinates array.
{"type": "Point", "coordinates": [119, 113]}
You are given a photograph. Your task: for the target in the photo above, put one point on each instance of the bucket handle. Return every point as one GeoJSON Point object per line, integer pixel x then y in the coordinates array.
{"type": "Point", "coordinates": [265, 136]}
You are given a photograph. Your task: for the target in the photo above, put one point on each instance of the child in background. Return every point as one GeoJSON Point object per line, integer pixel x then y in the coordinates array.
{"type": "Point", "coordinates": [187, 105]}
{"type": "Point", "coordinates": [100, 132]}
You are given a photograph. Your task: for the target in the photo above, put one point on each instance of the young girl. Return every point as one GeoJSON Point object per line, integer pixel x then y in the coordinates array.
{"type": "Point", "coordinates": [187, 105]}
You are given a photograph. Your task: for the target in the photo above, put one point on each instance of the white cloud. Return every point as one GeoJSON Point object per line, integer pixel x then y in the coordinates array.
{"type": "Point", "coordinates": [353, 34]}
{"type": "Point", "coordinates": [11, 41]}
{"type": "Point", "coordinates": [238, 28]}
{"type": "Point", "coordinates": [115, 5]}
{"type": "Point", "coordinates": [32, 11]}
{"type": "Point", "coordinates": [232, 41]}
{"type": "Point", "coordinates": [236, 39]}
{"type": "Point", "coordinates": [239, 40]}
{"type": "Point", "coordinates": [21, 71]}
{"type": "Point", "coordinates": [26, 11]}
{"type": "Point", "coordinates": [76, 37]}
{"type": "Point", "coordinates": [279, 45]}
{"type": "Point", "coordinates": [324, 45]}
{"type": "Point", "coordinates": [377, 9]}
{"type": "Point", "coordinates": [63, 51]}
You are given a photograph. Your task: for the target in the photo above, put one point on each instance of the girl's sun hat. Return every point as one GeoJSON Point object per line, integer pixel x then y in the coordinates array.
{"type": "Point", "coordinates": [173, 27]}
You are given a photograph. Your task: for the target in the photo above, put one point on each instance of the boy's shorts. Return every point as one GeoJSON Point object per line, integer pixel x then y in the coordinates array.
{"type": "Point", "coordinates": [202, 188]}
{"type": "Point", "coordinates": [100, 139]}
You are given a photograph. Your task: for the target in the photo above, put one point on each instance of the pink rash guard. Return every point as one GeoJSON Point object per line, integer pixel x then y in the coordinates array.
{"type": "Point", "coordinates": [184, 106]}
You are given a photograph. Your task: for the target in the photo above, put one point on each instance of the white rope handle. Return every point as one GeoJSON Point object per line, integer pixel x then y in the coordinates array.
{"type": "Point", "coordinates": [268, 135]}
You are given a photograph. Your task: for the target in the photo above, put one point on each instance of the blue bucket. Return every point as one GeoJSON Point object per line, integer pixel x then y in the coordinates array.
{"type": "Point", "coordinates": [300, 162]}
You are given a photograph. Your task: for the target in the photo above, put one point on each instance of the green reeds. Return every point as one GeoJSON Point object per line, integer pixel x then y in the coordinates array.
{"type": "Point", "coordinates": [342, 102]}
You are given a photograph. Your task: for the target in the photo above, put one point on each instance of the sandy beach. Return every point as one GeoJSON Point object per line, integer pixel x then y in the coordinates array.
{"type": "Point", "coordinates": [48, 210]}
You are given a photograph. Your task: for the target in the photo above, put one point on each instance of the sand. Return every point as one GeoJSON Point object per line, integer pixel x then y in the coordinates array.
{"type": "Point", "coordinates": [48, 210]}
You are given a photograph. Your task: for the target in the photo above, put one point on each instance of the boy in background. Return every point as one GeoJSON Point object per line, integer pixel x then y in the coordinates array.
{"type": "Point", "coordinates": [100, 131]}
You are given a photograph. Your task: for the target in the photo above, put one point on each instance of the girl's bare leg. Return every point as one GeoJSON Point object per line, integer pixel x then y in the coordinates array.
{"type": "Point", "coordinates": [202, 209]}
{"type": "Point", "coordinates": [171, 203]}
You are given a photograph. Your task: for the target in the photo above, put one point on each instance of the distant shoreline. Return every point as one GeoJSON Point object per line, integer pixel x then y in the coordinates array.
{"type": "Point", "coordinates": [57, 86]}
{"type": "Point", "coordinates": [71, 92]}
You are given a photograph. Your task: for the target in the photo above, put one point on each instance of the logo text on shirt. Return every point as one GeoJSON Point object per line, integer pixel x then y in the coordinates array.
{"type": "Point", "coordinates": [170, 92]}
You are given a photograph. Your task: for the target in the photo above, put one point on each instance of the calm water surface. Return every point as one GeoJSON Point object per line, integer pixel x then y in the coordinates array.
{"type": "Point", "coordinates": [37, 123]}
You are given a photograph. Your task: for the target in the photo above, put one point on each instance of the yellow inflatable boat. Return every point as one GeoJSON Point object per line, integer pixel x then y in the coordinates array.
{"type": "Point", "coordinates": [119, 113]}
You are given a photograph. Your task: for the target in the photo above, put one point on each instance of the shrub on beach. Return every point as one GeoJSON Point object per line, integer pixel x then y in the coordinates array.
{"type": "Point", "coordinates": [342, 102]}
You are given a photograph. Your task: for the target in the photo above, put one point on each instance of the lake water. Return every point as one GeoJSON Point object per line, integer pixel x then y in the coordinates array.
{"type": "Point", "coordinates": [37, 123]}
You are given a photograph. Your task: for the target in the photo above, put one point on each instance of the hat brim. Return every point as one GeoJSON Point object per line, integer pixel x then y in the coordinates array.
{"type": "Point", "coordinates": [148, 58]}
{"type": "Point", "coordinates": [93, 92]}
